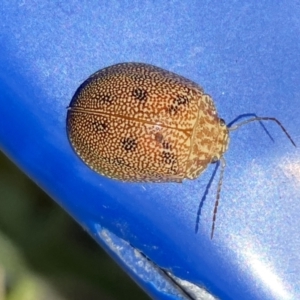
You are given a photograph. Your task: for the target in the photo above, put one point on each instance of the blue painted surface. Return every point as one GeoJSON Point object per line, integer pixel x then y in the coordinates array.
{"type": "Point", "coordinates": [246, 55]}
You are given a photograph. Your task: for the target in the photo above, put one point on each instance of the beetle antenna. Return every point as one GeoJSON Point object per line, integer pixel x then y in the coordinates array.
{"type": "Point", "coordinates": [262, 119]}
{"type": "Point", "coordinates": [223, 165]}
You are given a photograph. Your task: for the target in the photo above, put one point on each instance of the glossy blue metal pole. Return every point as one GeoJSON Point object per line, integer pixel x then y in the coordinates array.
{"type": "Point", "coordinates": [246, 56]}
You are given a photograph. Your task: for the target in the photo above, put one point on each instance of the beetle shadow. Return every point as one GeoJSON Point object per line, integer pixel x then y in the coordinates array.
{"type": "Point", "coordinates": [251, 115]}
{"type": "Point", "coordinates": [204, 196]}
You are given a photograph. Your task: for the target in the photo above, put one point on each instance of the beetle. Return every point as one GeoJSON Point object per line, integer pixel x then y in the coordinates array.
{"type": "Point", "coordinates": [138, 122]}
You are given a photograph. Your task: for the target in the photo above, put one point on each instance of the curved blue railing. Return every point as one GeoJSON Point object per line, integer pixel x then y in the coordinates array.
{"type": "Point", "coordinates": [247, 57]}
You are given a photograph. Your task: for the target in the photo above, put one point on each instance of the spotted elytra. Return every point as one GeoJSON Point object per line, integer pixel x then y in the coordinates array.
{"type": "Point", "coordinates": [137, 122]}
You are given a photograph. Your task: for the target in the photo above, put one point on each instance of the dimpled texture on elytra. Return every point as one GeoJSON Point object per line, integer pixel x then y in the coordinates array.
{"type": "Point", "coordinates": [138, 122]}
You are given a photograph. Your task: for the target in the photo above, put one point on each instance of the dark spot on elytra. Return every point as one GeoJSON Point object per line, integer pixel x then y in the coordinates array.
{"type": "Point", "coordinates": [129, 144]}
{"type": "Point", "coordinates": [118, 161]}
{"type": "Point", "coordinates": [140, 94]}
{"type": "Point", "coordinates": [168, 157]}
{"type": "Point", "coordinates": [173, 109]}
{"type": "Point", "coordinates": [178, 102]}
{"type": "Point", "coordinates": [166, 145]}
{"type": "Point", "coordinates": [100, 126]}
{"type": "Point", "coordinates": [105, 99]}
{"type": "Point", "coordinates": [181, 100]}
